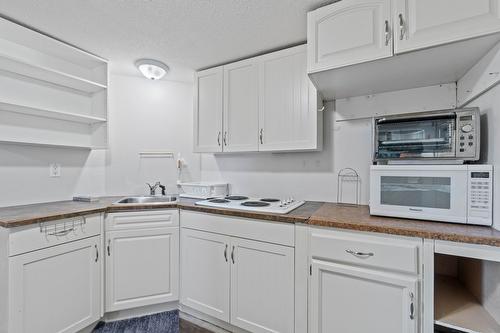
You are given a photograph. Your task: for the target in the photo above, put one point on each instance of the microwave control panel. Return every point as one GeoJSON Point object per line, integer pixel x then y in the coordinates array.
{"type": "Point", "coordinates": [467, 133]}
{"type": "Point", "coordinates": [480, 208]}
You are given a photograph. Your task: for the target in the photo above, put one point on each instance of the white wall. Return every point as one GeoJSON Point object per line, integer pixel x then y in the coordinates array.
{"type": "Point", "coordinates": [148, 116]}
{"type": "Point", "coordinates": [24, 174]}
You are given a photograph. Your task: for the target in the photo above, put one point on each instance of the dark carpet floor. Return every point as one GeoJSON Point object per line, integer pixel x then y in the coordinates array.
{"type": "Point", "coordinates": [165, 322]}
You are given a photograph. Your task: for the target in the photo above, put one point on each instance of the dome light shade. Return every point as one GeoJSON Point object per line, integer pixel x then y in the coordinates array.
{"type": "Point", "coordinates": [151, 69]}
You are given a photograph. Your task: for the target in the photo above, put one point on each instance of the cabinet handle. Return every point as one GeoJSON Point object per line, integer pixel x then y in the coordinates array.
{"type": "Point", "coordinates": [261, 136]}
{"type": "Point", "coordinates": [62, 232]}
{"type": "Point", "coordinates": [109, 247]}
{"type": "Point", "coordinates": [96, 253]}
{"type": "Point", "coordinates": [225, 253]}
{"type": "Point", "coordinates": [232, 255]}
{"type": "Point", "coordinates": [387, 33]}
{"type": "Point", "coordinates": [360, 254]}
{"type": "Point", "coordinates": [218, 138]}
{"type": "Point", "coordinates": [401, 27]}
{"type": "Point", "coordinates": [412, 306]}
{"type": "Point", "coordinates": [225, 138]}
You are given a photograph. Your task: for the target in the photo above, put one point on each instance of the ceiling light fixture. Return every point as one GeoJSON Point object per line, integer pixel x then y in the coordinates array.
{"type": "Point", "coordinates": [152, 69]}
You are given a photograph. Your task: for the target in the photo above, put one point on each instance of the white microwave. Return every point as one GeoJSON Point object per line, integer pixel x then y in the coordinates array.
{"type": "Point", "coordinates": [446, 193]}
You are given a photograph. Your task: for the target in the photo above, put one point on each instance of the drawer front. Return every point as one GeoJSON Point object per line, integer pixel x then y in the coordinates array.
{"type": "Point", "coordinates": [386, 253]}
{"type": "Point", "coordinates": [143, 219]}
{"type": "Point", "coordinates": [264, 231]}
{"type": "Point", "coordinates": [46, 234]}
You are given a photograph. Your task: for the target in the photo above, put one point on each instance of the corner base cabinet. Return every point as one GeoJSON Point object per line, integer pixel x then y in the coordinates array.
{"type": "Point", "coordinates": [142, 263]}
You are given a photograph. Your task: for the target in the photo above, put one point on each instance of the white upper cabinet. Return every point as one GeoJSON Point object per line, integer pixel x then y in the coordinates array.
{"type": "Point", "coordinates": [208, 103]}
{"type": "Point", "coordinates": [424, 23]}
{"type": "Point", "coordinates": [349, 32]}
{"type": "Point", "coordinates": [241, 106]}
{"type": "Point", "coordinates": [269, 104]}
{"type": "Point", "coordinates": [288, 116]}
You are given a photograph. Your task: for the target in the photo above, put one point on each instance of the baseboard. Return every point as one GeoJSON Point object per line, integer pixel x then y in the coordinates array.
{"type": "Point", "coordinates": [213, 324]}
{"type": "Point", "coordinates": [140, 311]}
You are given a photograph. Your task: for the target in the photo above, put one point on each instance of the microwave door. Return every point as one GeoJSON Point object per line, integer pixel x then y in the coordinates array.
{"type": "Point", "coordinates": [423, 138]}
{"type": "Point", "coordinates": [436, 195]}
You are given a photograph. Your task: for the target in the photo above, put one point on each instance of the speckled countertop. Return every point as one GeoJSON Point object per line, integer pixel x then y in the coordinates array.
{"type": "Point", "coordinates": [313, 213]}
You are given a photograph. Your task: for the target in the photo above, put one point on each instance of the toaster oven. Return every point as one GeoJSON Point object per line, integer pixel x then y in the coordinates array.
{"type": "Point", "coordinates": [437, 135]}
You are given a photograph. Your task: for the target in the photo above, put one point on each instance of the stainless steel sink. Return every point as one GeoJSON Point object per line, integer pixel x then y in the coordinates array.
{"type": "Point", "coordinates": [147, 200]}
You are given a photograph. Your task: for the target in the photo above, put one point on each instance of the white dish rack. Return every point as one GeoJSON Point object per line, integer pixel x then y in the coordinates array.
{"type": "Point", "coordinates": [204, 190]}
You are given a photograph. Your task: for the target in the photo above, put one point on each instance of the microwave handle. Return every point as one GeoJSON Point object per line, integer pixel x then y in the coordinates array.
{"type": "Point", "coordinates": [398, 119]}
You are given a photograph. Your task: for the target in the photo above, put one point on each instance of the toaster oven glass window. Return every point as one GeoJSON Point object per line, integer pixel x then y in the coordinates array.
{"type": "Point", "coordinates": [425, 192]}
{"type": "Point", "coordinates": [407, 138]}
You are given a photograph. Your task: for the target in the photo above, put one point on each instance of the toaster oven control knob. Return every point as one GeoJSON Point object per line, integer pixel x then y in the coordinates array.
{"type": "Point", "coordinates": [466, 128]}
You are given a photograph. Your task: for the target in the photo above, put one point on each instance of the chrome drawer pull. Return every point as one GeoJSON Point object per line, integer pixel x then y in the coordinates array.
{"type": "Point", "coordinates": [96, 253]}
{"type": "Point", "coordinates": [401, 27]}
{"type": "Point", "coordinates": [387, 33]}
{"type": "Point", "coordinates": [225, 253]}
{"type": "Point", "coordinates": [61, 233]}
{"type": "Point", "coordinates": [232, 255]}
{"type": "Point", "coordinates": [359, 254]}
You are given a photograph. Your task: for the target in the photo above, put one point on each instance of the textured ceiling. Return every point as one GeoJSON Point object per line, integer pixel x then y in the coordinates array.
{"type": "Point", "coordinates": [185, 34]}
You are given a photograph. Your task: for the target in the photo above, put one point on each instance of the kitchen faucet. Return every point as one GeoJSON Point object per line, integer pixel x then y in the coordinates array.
{"type": "Point", "coordinates": [152, 188]}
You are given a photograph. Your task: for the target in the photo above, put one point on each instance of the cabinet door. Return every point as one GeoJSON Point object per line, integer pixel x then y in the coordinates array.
{"type": "Point", "coordinates": [423, 23]}
{"type": "Point", "coordinates": [205, 272]}
{"type": "Point", "coordinates": [241, 106]}
{"type": "Point", "coordinates": [288, 115]}
{"type": "Point", "coordinates": [262, 286]}
{"type": "Point", "coordinates": [349, 32]}
{"type": "Point", "coordinates": [356, 300]}
{"type": "Point", "coordinates": [142, 267]}
{"type": "Point", "coordinates": [208, 110]}
{"type": "Point", "coordinates": [57, 289]}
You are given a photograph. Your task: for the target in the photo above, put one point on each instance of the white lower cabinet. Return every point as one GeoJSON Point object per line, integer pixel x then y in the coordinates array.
{"type": "Point", "coordinates": [246, 283]}
{"type": "Point", "coordinates": [262, 286]}
{"type": "Point", "coordinates": [205, 272]}
{"type": "Point", "coordinates": [56, 289]}
{"type": "Point", "coordinates": [356, 300]}
{"type": "Point", "coordinates": [355, 287]}
{"type": "Point", "coordinates": [141, 267]}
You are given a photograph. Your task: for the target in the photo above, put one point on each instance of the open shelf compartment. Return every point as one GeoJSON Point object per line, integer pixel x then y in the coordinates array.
{"type": "Point", "coordinates": [464, 297]}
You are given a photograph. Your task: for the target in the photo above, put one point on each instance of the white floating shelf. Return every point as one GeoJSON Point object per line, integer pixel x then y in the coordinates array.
{"type": "Point", "coordinates": [67, 116]}
{"type": "Point", "coordinates": [457, 308]}
{"type": "Point", "coordinates": [48, 144]}
{"type": "Point", "coordinates": [42, 73]}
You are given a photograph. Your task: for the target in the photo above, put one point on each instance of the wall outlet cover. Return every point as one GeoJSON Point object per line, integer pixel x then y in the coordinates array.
{"type": "Point", "coordinates": [55, 170]}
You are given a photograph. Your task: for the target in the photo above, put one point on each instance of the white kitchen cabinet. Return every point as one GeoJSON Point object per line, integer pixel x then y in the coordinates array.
{"type": "Point", "coordinates": [269, 104]}
{"type": "Point", "coordinates": [423, 23]}
{"type": "Point", "coordinates": [349, 32]}
{"type": "Point", "coordinates": [357, 300]}
{"type": "Point", "coordinates": [229, 273]}
{"type": "Point", "coordinates": [56, 289]}
{"type": "Point", "coordinates": [142, 267]}
{"type": "Point", "coordinates": [262, 286]}
{"type": "Point", "coordinates": [288, 113]}
{"type": "Point", "coordinates": [205, 272]}
{"type": "Point", "coordinates": [241, 106]}
{"type": "Point", "coordinates": [208, 106]}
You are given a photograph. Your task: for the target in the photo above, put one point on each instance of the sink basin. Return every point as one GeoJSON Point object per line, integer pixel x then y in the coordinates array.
{"type": "Point", "coordinates": [147, 200]}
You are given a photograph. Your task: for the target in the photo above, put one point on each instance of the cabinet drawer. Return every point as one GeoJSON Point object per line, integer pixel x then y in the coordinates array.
{"type": "Point", "coordinates": [143, 219]}
{"type": "Point", "coordinates": [386, 253]}
{"type": "Point", "coordinates": [46, 234]}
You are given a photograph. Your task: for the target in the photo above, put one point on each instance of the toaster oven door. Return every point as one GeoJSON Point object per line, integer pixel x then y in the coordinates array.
{"type": "Point", "coordinates": [416, 137]}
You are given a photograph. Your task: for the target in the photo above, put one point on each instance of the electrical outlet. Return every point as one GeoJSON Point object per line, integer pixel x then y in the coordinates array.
{"type": "Point", "coordinates": [55, 170]}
